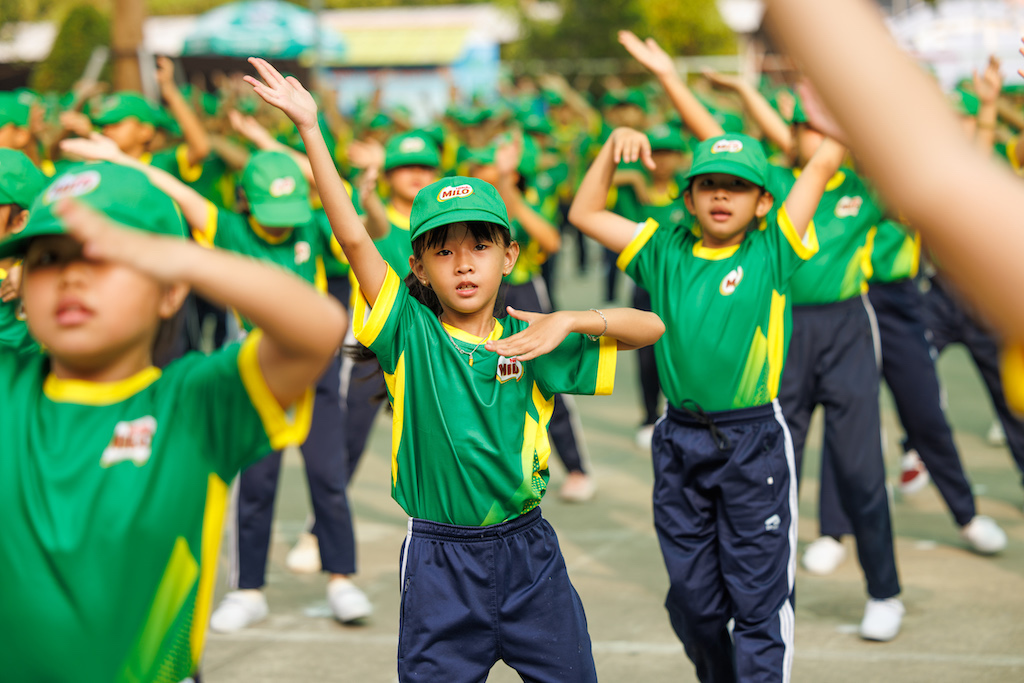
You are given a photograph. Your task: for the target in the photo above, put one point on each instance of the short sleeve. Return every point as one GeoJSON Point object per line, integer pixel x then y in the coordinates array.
{"type": "Point", "coordinates": [638, 259]}
{"type": "Point", "coordinates": [792, 251]}
{"type": "Point", "coordinates": [378, 327]}
{"type": "Point", "coordinates": [578, 366]}
{"type": "Point", "coordinates": [213, 232]}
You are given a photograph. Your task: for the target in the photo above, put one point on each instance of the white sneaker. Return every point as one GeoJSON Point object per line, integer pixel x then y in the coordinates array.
{"type": "Point", "coordinates": [239, 609]}
{"type": "Point", "coordinates": [984, 535]}
{"type": "Point", "coordinates": [577, 488]}
{"type": "Point", "coordinates": [347, 602]}
{"type": "Point", "coordinates": [996, 436]}
{"type": "Point", "coordinates": [304, 557]}
{"type": "Point", "coordinates": [882, 619]}
{"type": "Point", "coordinates": [823, 556]}
{"type": "Point", "coordinates": [644, 436]}
{"type": "Point", "coordinates": [913, 474]}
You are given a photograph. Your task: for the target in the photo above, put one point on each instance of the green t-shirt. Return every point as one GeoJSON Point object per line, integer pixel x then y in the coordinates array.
{"type": "Point", "coordinates": [14, 334]}
{"type": "Point", "coordinates": [396, 247]}
{"type": "Point", "coordinates": [112, 498]}
{"type": "Point", "coordinates": [300, 250]}
{"type": "Point", "coordinates": [844, 222]}
{"type": "Point", "coordinates": [896, 254]}
{"type": "Point", "coordinates": [469, 443]}
{"type": "Point", "coordinates": [211, 178]}
{"type": "Point", "coordinates": [726, 311]}
{"type": "Point", "coordinates": [335, 262]}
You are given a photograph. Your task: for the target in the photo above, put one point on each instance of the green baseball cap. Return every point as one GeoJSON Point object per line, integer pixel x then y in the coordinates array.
{"type": "Point", "coordinates": [735, 154]}
{"type": "Point", "coordinates": [15, 108]}
{"type": "Point", "coordinates": [627, 97]}
{"type": "Point", "coordinates": [666, 138]}
{"type": "Point", "coordinates": [410, 149]}
{"type": "Point", "coordinates": [455, 199]}
{"type": "Point", "coordinates": [277, 191]}
{"type": "Point", "coordinates": [20, 180]}
{"type": "Point", "coordinates": [536, 123]}
{"type": "Point", "coordinates": [120, 106]}
{"type": "Point", "coordinates": [124, 194]}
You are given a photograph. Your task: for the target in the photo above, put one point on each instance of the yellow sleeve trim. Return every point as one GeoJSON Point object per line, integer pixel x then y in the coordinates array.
{"type": "Point", "coordinates": [281, 432]}
{"type": "Point", "coordinates": [189, 173]}
{"type": "Point", "coordinates": [805, 248]}
{"type": "Point", "coordinates": [638, 242]}
{"type": "Point", "coordinates": [208, 233]}
{"type": "Point", "coordinates": [1011, 154]}
{"type": "Point", "coordinates": [606, 366]}
{"type": "Point", "coordinates": [367, 328]}
{"type": "Point", "coordinates": [1011, 366]}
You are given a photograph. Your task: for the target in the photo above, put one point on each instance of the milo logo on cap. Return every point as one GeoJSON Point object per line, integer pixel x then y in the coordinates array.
{"type": "Point", "coordinates": [282, 187]}
{"type": "Point", "coordinates": [72, 185]}
{"type": "Point", "coordinates": [727, 146]}
{"type": "Point", "coordinates": [411, 145]}
{"type": "Point", "coordinates": [454, 192]}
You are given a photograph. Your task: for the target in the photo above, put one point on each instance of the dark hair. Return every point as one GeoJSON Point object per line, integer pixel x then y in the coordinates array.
{"type": "Point", "coordinates": [16, 210]}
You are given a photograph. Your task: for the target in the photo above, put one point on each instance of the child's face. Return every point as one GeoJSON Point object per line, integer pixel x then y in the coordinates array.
{"type": "Point", "coordinates": [14, 137]}
{"type": "Point", "coordinates": [666, 163]}
{"type": "Point", "coordinates": [465, 273]}
{"type": "Point", "coordinates": [724, 206]}
{"type": "Point", "coordinates": [91, 315]}
{"type": "Point", "coordinates": [406, 181]}
{"type": "Point", "coordinates": [129, 134]}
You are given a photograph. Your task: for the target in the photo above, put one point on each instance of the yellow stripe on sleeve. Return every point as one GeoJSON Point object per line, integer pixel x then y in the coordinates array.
{"type": "Point", "coordinates": [638, 242]}
{"type": "Point", "coordinates": [279, 429]}
{"type": "Point", "coordinates": [366, 328]}
{"type": "Point", "coordinates": [189, 173]}
{"type": "Point", "coordinates": [805, 248]}
{"type": "Point", "coordinates": [1011, 154]}
{"type": "Point", "coordinates": [207, 234]}
{"type": "Point", "coordinates": [606, 366]}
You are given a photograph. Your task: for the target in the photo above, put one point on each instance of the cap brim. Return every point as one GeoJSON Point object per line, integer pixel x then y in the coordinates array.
{"type": "Point", "coordinates": [17, 244]}
{"type": "Point", "coordinates": [282, 214]}
{"type": "Point", "coordinates": [457, 216]}
{"type": "Point", "coordinates": [728, 167]}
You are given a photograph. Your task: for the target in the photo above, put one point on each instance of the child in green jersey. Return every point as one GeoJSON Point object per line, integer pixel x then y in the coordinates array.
{"type": "Point", "coordinates": [482, 576]}
{"type": "Point", "coordinates": [725, 482]}
{"type": "Point", "coordinates": [113, 476]}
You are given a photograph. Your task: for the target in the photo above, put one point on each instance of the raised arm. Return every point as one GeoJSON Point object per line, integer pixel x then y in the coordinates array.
{"type": "Point", "coordinates": [368, 156]}
{"type": "Point", "coordinates": [192, 128]}
{"type": "Point", "coordinates": [695, 115]}
{"type": "Point", "coordinates": [900, 127]}
{"type": "Point", "coordinates": [802, 200]}
{"type": "Point", "coordinates": [288, 95]}
{"type": "Point", "coordinates": [764, 115]}
{"type": "Point", "coordinates": [506, 159]}
{"type": "Point", "coordinates": [987, 87]}
{"type": "Point", "coordinates": [588, 211]}
{"type": "Point", "coordinates": [300, 329]}
{"type": "Point", "coordinates": [252, 130]}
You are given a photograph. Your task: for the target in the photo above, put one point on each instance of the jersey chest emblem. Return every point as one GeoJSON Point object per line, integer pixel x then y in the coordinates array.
{"type": "Point", "coordinates": [509, 368]}
{"type": "Point", "coordinates": [848, 207]}
{"type": "Point", "coordinates": [131, 441]}
{"type": "Point", "coordinates": [302, 252]}
{"type": "Point", "coordinates": [731, 281]}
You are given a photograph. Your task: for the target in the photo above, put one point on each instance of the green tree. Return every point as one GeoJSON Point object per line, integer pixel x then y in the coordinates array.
{"type": "Point", "coordinates": [693, 27]}
{"type": "Point", "coordinates": [588, 29]}
{"type": "Point", "coordinates": [84, 29]}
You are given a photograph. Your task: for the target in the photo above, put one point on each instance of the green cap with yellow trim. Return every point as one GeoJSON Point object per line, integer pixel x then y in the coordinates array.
{"type": "Point", "coordinates": [20, 180]}
{"type": "Point", "coordinates": [411, 149]}
{"type": "Point", "coordinates": [277, 192]}
{"type": "Point", "coordinates": [666, 138]}
{"type": "Point", "coordinates": [124, 194]}
{"type": "Point", "coordinates": [120, 106]}
{"type": "Point", "coordinates": [735, 154]}
{"type": "Point", "coordinates": [455, 199]}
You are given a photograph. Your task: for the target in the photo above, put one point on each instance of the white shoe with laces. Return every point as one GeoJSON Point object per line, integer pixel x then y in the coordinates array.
{"type": "Point", "coordinates": [882, 619]}
{"type": "Point", "coordinates": [238, 610]}
{"type": "Point", "coordinates": [823, 556]}
{"type": "Point", "coordinates": [348, 603]}
{"type": "Point", "coordinates": [984, 535]}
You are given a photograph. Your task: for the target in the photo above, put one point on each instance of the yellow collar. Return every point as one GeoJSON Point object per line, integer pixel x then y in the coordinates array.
{"type": "Point", "coordinates": [461, 335]}
{"type": "Point", "coordinates": [833, 182]}
{"type": "Point", "coordinates": [665, 198]}
{"type": "Point", "coordinates": [266, 236]}
{"type": "Point", "coordinates": [88, 393]}
{"type": "Point", "coordinates": [397, 219]}
{"type": "Point", "coordinates": [714, 253]}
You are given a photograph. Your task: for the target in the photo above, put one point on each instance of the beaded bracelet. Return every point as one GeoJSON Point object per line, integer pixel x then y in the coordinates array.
{"type": "Point", "coordinates": [593, 337]}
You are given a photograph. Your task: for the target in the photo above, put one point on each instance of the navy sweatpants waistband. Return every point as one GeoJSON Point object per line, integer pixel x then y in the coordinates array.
{"type": "Point", "coordinates": [470, 534]}
{"type": "Point", "coordinates": [853, 302]}
{"type": "Point", "coordinates": [723, 418]}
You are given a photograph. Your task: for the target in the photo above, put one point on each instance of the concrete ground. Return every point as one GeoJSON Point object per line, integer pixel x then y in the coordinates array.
{"type": "Point", "coordinates": [965, 613]}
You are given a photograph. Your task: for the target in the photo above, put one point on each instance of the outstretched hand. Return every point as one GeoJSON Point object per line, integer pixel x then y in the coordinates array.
{"type": "Point", "coordinates": [249, 127]}
{"type": "Point", "coordinates": [543, 335]}
{"type": "Point", "coordinates": [629, 146]}
{"type": "Point", "coordinates": [366, 154]}
{"type": "Point", "coordinates": [989, 83]}
{"type": "Point", "coordinates": [720, 80]}
{"type": "Point", "coordinates": [96, 147]}
{"type": "Point", "coordinates": [287, 94]}
{"type": "Point", "coordinates": [648, 53]}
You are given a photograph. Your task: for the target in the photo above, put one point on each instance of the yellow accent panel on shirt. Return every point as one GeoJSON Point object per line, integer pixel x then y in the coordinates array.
{"type": "Point", "coordinates": [545, 407]}
{"type": "Point", "coordinates": [189, 173]}
{"type": "Point", "coordinates": [865, 258]}
{"type": "Point", "coordinates": [1011, 154]}
{"type": "Point", "coordinates": [396, 217]}
{"type": "Point", "coordinates": [637, 243]}
{"type": "Point", "coordinates": [88, 393]}
{"type": "Point", "coordinates": [606, 366]}
{"type": "Point", "coordinates": [213, 527]}
{"type": "Point", "coordinates": [776, 343]}
{"type": "Point", "coordinates": [320, 276]}
{"type": "Point", "coordinates": [366, 328]}
{"type": "Point", "coordinates": [835, 181]}
{"type": "Point", "coordinates": [1011, 369]}
{"type": "Point", "coordinates": [279, 429]}
{"type": "Point", "coordinates": [805, 248]}
{"type": "Point", "coordinates": [396, 387]}
{"type": "Point", "coordinates": [746, 392]}
{"type": "Point", "coordinates": [206, 235]}
{"type": "Point", "coordinates": [266, 236]}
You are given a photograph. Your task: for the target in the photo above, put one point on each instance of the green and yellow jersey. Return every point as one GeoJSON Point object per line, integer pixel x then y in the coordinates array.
{"type": "Point", "coordinates": [14, 334]}
{"type": "Point", "coordinates": [336, 263]}
{"type": "Point", "coordinates": [845, 222]}
{"type": "Point", "coordinates": [726, 311]}
{"type": "Point", "coordinates": [896, 254]}
{"type": "Point", "coordinates": [396, 247]}
{"type": "Point", "coordinates": [211, 177]}
{"type": "Point", "coordinates": [112, 498]}
{"type": "Point", "coordinates": [469, 440]}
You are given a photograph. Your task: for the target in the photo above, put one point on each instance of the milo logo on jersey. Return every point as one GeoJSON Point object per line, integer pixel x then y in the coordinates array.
{"type": "Point", "coordinates": [302, 252]}
{"type": "Point", "coordinates": [731, 281]}
{"type": "Point", "coordinates": [727, 147]}
{"type": "Point", "coordinates": [131, 441]}
{"type": "Point", "coordinates": [72, 185]}
{"type": "Point", "coordinates": [509, 368]}
{"type": "Point", "coordinates": [454, 192]}
{"type": "Point", "coordinates": [848, 207]}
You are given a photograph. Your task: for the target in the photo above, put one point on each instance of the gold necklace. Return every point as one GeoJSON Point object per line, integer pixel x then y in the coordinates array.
{"type": "Point", "coordinates": [459, 348]}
